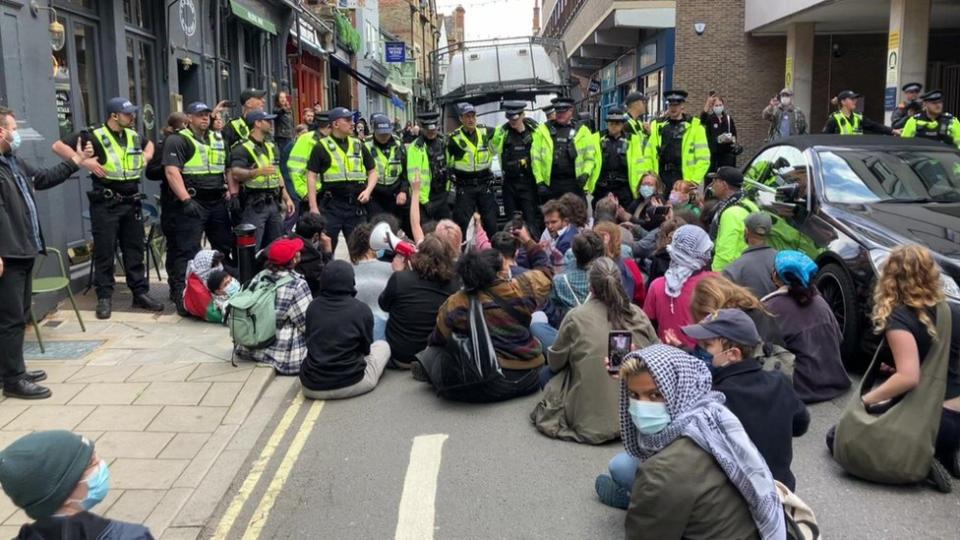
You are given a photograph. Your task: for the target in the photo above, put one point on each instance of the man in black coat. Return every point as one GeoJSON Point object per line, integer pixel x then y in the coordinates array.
{"type": "Point", "coordinates": [21, 239]}
{"type": "Point", "coordinates": [763, 401]}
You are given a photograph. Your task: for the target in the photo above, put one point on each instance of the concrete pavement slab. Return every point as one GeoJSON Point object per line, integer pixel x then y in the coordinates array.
{"type": "Point", "coordinates": [100, 374]}
{"type": "Point", "coordinates": [56, 373]}
{"type": "Point", "coordinates": [109, 394]}
{"type": "Point", "coordinates": [11, 409]}
{"type": "Point", "coordinates": [205, 458]}
{"type": "Point", "coordinates": [133, 444]}
{"type": "Point", "coordinates": [121, 418]}
{"type": "Point", "coordinates": [131, 473]}
{"type": "Point", "coordinates": [111, 357]}
{"type": "Point", "coordinates": [221, 394]}
{"type": "Point", "coordinates": [181, 533]}
{"type": "Point", "coordinates": [221, 372]}
{"type": "Point", "coordinates": [184, 446]}
{"type": "Point", "coordinates": [174, 393]}
{"type": "Point", "coordinates": [249, 394]}
{"type": "Point", "coordinates": [162, 373]}
{"type": "Point", "coordinates": [168, 507]}
{"type": "Point", "coordinates": [50, 417]}
{"type": "Point", "coordinates": [135, 505]}
{"type": "Point", "coordinates": [62, 393]}
{"type": "Point", "coordinates": [188, 419]}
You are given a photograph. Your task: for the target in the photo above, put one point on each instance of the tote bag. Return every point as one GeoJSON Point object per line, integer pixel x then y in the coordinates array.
{"type": "Point", "coordinates": [471, 360]}
{"type": "Point", "coordinates": [897, 446]}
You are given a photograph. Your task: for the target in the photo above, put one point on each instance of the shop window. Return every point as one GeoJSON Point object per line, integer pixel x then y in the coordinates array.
{"type": "Point", "coordinates": [141, 72]}
{"type": "Point", "coordinates": [137, 13]}
{"type": "Point", "coordinates": [90, 5]}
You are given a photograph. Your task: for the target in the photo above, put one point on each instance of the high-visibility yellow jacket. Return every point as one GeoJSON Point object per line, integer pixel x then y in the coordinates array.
{"type": "Point", "coordinates": [946, 128]}
{"type": "Point", "coordinates": [541, 152]}
{"type": "Point", "coordinates": [695, 151]}
{"type": "Point", "coordinates": [638, 161]}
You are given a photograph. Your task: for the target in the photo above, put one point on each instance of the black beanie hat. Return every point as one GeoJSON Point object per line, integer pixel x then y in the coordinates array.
{"type": "Point", "coordinates": [39, 471]}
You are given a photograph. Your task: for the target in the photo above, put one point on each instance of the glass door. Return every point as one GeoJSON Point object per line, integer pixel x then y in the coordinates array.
{"type": "Point", "coordinates": [141, 70]}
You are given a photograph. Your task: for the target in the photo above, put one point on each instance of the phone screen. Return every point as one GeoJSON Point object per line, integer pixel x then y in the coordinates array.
{"type": "Point", "coordinates": [618, 346]}
{"type": "Point", "coordinates": [661, 211]}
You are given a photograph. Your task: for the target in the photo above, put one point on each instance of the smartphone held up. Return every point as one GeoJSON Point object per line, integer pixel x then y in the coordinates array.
{"type": "Point", "coordinates": [619, 344]}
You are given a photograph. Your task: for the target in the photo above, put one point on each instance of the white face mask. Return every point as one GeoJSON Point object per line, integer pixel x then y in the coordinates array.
{"type": "Point", "coordinates": [718, 110]}
{"type": "Point", "coordinates": [786, 100]}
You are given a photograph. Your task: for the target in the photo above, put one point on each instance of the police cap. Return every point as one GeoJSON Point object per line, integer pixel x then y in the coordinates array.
{"type": "Point", "coordinates": [429, 120]}
{"type": "Point", "coordinates": [932, 96]}
{"type": "Point", "coordinates": [121, 105]}
{"type": "Point", "coordinates": [338, 113]}
{"type": "Point", "coordinates": [250, 93]}
{"type": "Point", "coordinates": [912, 87]}
{"type": "Point", "coordinates": [847, 94]}
{"type": "Point", "coordinates": [198, 107]}
{"type": "Point", "coordinates": [616, 114]}
{"type": "Point", "coordinates": [322, 118]}
{"type": "Point", "coordinates": [254, 116]}
{"type": "Point", "coordinates": [675, 96]}
{"type": "Point", "coordinates": [514, 109]}
{"type": "Point", "coordinates": [563, 104]}
{"type": "Point", "coordinates": [548, 110]}
{"type": "Point", "coordinates": [634, 96]}
{"type": "Point", "coordinates": [467, 108]}
{"type": "Point", "coordinates": [381, 124]}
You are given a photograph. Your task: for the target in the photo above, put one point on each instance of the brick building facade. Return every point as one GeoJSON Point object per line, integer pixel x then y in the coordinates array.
{"type": "Point", "coordinates": [418, 24]}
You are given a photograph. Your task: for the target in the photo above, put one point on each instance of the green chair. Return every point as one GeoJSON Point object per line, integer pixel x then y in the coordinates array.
{"type": "Point", "coordinates": [44, 285]}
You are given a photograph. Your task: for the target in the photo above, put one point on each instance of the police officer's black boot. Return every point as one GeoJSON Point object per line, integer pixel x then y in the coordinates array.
{"type": "Point", "coordinates": [104, 308]}
{"type": "Point", "coordinates": [146, 302]}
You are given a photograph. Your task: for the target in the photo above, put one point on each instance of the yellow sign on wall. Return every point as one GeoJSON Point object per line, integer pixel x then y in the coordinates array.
{"type": "Point", "coordinates": [788, 74]}
{"type": "Point", "coordinates": [893, 42]}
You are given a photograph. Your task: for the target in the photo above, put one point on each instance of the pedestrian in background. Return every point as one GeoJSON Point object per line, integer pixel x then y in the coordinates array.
{"type": "Point", "coordinates": [283, 124]}
{"type": "Point", "coordinates": [21, 240]}
{"type": "Point", "coordinates": [721, 133]}
{"type": "Point", "coordinates": [785, 118]}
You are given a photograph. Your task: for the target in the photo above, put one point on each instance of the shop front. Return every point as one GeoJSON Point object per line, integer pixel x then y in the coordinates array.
{"type": "Point", "coordinates": [306, 53]}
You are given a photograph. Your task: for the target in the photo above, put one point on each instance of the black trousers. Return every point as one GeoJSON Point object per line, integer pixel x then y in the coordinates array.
{"type": "Point", "coordinates": [116, 223]}
{"type": "Point", "coordinates": [621, 191]}
{"type": "Point", "coordinates": [189, 230]}
{"type": "Point", "coordinates": [343, 214]}
{"type": "Point", "coordinates": [168, 225]}
{"type": "Point", "coordinates": [669, 176]}
{"type": "Point", "coordinates": [561, 185]}
{"type": "Point", "coordinates": [437, 209]}
{"type": "Point", "coordinates": [476, 198]}
{"type": "Point", "coordinates": [722, 159]}
{"type": "Point", "coordinates": [520, 195]}
{"type": "Point", "coordinates": [15, 291]}
{"type": "Point", "coordinates": [383, 200]}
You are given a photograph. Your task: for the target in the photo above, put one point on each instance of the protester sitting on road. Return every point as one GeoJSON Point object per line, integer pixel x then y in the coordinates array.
{"type": "Point", "coordinates": [57, 478]}
{"type": "Point", "coordinates": [576, 209]}
{"type": "Point", "coordinates": [222, 287]}
{"type": "Point", "coordinates": [684, 196]}
{"type": "Point", "coordinates": [413, 297]}
{"type": "Point", "coordinates": [570, 288]}
{"type": "Point", "coordinates": [809, 329]}
{"type": "Point", "coordinates": [558, 231]}
{"type": "Point", "coordinates": [697, 473]}
{"type": "Point", "coordinates": [317, 249]}
{"type": "Point", "coordinates": [904, 310]}
{"type": "Point", "coordinates": [668, 300]}
{"type": "Point", "coordinates": [371, 275]}
{"type": "Point", "coordinates": [196, 295]}
{"type": "Point", "coordinates": [763, 401]}
{"type": "Point", "coordinates": [580, 404]}
{"type": "Point", "coordinates": [715, 292]}
{"type": "Point", "coordinates": [754, 269]}
{"type": "Point", "coordinates": [629, 271]}
{"type": "Point", "coordinates": [343, 360]}
{"type": "Point", "coordinates": [451, 233]}
{"type": "Point", "coordinates": [507, 308]}
{"type": "Point", "coordinates": [507, 244]}
{"type": "Point", "coordinates": [293, 298]}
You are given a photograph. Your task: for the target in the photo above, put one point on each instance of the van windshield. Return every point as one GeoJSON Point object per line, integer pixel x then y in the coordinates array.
{"type": "Point", "coordinates": [890, 175]}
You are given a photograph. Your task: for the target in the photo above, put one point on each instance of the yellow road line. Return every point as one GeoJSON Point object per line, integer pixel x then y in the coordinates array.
{"type": "Point", "coordinates": [418, 501]}
{"type": "Point", "coordinates": [260, 515]}
{"type": "Point", "coordinates": [253, 478]}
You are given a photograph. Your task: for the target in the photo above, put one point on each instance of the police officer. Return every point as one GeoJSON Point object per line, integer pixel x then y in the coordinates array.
{"type": "Point", "coordinates": [300, 156]}
{"type": "Point", "coordinates": [392, 191]}
{"type": "Point", "coordinates": [341, 176]}
{"type": "Point", "coordinates": [911, 94]}
{"type": "Point", "coordinates": [194, 161]}
{"type": "Point", "coordinates": [933, 123]}
{"type": "Point", "coordinates": [255, 166]}
{"type": "Point", "coordinates": [563, 153]}
{"type": "Point", "coordinates": [677, 148]}
{"type": "Point", "coordinates": [847, 121]}
{"type": "Point", "coordinates": [636, 104]}
{"type": "Point", "coordinates": [512, 141]}
{"type": "Point", "coordinates": [237, 131]}
{"type": "Point", "coordinates": [621, 161]}
{"type": "Point", "coordinates": [426, 160]}
{"type": "Point", "coordinates": [550, 112]}
{"type": "Point", "coordinates": [115, 213]}
{"type": "Point", "coordinates": [470, 151]}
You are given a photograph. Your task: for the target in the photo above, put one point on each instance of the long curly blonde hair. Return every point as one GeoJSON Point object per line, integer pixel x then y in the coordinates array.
{"type": "Point", "coordinates": [910, 277]}
{"type": "Point", "coordinates": [717, 292]}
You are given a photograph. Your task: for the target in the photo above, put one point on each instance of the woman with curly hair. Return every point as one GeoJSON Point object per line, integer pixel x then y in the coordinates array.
{"type": "Point", "coordinates": [809, 328]}
{"type": "Point", "coordinates": [413, 297]}
{"type": "Point", "coordinates": [904, 311]}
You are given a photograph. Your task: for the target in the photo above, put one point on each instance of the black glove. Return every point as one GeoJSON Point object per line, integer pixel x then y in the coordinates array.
{"type": "Point", "coordinates": [582, 179]}
{"type": "Point", "coordinates": [192, 208]}
{"type": "Point", "coordinates": [233, 206]}
{"type": "Point", "coordinates": [543, 192]}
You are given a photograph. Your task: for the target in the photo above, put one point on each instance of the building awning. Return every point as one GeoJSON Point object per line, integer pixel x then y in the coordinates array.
{"type": "Point", "coordinates": [397, 102]}
{"type": "Point", "coordinates": [252, 14]}
{"type": "Point", "coordinates": [616, 33]}
{"type": "Point", "coordinates": [360, 77]}
{"type": "Point", "coordinates": [399, 89]}
{"type": "Point", "coordinates": [308, 36]}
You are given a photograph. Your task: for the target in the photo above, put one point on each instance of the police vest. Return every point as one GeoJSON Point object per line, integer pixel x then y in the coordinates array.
{"type": "Point", "coordinates": [430, 166]}
{"type": "Point", "coordinates": [124, 163]}
{"type": "Point", "coordinates": [516, 149]}
{"type": "Point", "coordinates": [242, 129]}
{"type": "Point", "coordinates": [614, 151]}
{"type": "Point", "coordinates": [389, 165]}
{"type": "Point", "coordinates": [935, 130]}
{"type": "Point", "coordinates": [264, 181]}
{"type": "Point", "coordinates": [345, 166]}
{"type": "Point", "coordinates": [563, 147]}
{"type": "Point", "coordinates": [848, 127]}
{"type": "Point", "coordinates": [209, 159]}
{"type": "Point", "coordinates": [476, 157]}
{"type": "Point", "coordinates": [298, 159]}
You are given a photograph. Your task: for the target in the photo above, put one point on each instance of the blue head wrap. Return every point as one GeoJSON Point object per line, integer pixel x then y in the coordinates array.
{"type": "Point", "coordinates": [796, 264]}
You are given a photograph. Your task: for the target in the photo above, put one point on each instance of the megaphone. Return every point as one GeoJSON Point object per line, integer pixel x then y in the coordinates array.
{"type": "Point", "coordinates": [383, 238]}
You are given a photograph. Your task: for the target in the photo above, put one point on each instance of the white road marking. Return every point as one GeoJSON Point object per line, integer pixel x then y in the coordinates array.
{"type": "Point", "coordinates": [418, 502]}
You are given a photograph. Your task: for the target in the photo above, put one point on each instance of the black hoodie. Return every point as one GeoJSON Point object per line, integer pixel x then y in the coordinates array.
{"type": "Point", "coordinates": [82, 526]}
{"type": "Point", "coordinates": [339, 332]}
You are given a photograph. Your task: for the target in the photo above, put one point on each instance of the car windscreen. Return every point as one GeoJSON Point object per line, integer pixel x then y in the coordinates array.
{"type": "Point", "coordinates": [857, 176]}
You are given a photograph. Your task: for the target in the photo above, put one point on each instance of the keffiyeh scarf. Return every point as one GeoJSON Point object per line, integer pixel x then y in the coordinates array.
{"type": "Point", "coordinates": [200, 264]}
{"type": "Point", "coordinates": [698, 413]}
{"type": "Point", "coordinates": [690, 251]}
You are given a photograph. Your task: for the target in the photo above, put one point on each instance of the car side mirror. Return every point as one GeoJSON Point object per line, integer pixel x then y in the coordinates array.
{"type": "Point", "coordinates": [789, 193]}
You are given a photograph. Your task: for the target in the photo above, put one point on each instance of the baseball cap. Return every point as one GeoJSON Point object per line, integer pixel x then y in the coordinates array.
{"type": "Point", "coordinates": [248, 93]}
{"type": "Point", "coordinates": [381, 124]}
{"type": "Point", "coordinates": [121, 105]}
{"type": "Point", "coordinates": [254, 116]}
{"type": "Point", "coordinates": [847, 94]}
{"type": "Point", "coordinates": [732, 324]}
{"type": "Point", "coordinates": [786, 92]}
{"type": "Point", "coordinates": [198, 107]}
{"type": "Point", "coordinates": [634, 96]}
{"type": "Point", "coordinates": [283, 251]}
{"type": "Point", "coordinates": [338, 113]}
{"type": "Point", "coordinates": [730, 175]}
{"type": "Point", "coordinates": [759, 223]}
{"type": "Point", "coordinates": [467, 108]}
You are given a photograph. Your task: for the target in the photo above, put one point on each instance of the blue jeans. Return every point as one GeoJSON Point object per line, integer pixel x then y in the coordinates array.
{"type": "Point", "coordinates": [623, 470]}
{"type": "Point", "coordinates": [545, 375]}
{"type": "Point", "coordinates": [545, 333]}
{"type": "Point", "coordinates": [379, 328]}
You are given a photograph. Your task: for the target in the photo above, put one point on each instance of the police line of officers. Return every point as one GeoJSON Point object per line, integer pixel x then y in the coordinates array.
{"type": "Point", "coordinates": [213, 178]}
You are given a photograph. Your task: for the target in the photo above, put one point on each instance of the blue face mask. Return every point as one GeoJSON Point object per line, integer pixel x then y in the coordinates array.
{"type": "Point", "coordinates": [15, 141]}
{"type": "Point", "coordinates": [98, 485]}
{"type": "Point", "coordinates": [703, 354]}
{"type": "Point", "coordinates": [650, 417]}
{"type": "Point", "coordinates": [233, 288]}
{"type": "Point", "coordinates": [646, 191]}
{"type": "Point", "coordinates": [381, 253]}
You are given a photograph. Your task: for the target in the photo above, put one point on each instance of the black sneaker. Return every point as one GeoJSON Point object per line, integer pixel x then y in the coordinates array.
{"type": "Point", "coordinates": [146, 302]}
{"type": "Point", "coordinates": [24, 389]}
{"type": "Point", "coordinates": [104, 308]}
{"type": "Point", "coordinates": [610, 493]}
{"type": "Point", "coordinates": [419, 372]}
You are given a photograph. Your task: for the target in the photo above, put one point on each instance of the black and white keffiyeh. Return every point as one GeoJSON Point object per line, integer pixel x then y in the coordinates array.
{"type": "Point", "coordinates": [697, 412]}
{"type": "Point", "coordinates": [690, 251]}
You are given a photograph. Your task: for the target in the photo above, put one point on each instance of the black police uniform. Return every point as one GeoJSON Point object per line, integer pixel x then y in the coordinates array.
{"type": "Point", "coordinates": [438, 206]}
{"type": "Point", "coordinates": [338, 200]}
{"type": "Point", "coordinates": [519, 185]}
{"type": "Point", "coordinates": [116, 219]}
{"type": "Point", "coordinates": [208, 191]}
{"type": "Point", "coordinates": [563, 176]}
{"type": "Point", "coordinates": [474, 189]}
{"type": "Point", "coordinates": [671, 150]}
{"type": "Point", "coordinates": [384, 197]}
{"type": "Point", "coordinates": [263, 208]}
{"type": "Point", "coordinates": [613, 171]}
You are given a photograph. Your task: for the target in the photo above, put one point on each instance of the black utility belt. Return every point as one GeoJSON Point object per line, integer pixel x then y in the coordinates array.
{"type": "Point", "coordinates": [613, 181]}
{"type": "Point", "coordinates": [111, 196]}
{"type": "Point", "coordinates": [472, 180]}
{"type": "Point", "coordinates": [261, 193]}
{"type": "Point", "coordinates": [348, 190]}
{"type": "Point", "coordinates": [206, 194]}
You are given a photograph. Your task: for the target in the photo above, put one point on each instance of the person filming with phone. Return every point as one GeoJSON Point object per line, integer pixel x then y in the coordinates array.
{"type": "Point", "coordinates": [580, 399]}
{"type": "Point", "coordinates": [786, 120]}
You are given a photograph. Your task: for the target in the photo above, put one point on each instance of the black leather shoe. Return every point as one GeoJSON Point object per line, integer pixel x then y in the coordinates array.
{"type": "Point", "coordinates": [181, 310]}
{"type": "Point", "coordinates": [104, 308]}
{"type": "Point", "coordinates": [24, 389]}
{"type": "Point", "coordinates": [144, 301]}
{"type": "Point", "coordinates": [36, 375]}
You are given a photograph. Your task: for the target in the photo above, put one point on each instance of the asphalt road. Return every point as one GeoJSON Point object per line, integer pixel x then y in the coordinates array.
{"type": "Point", "coordinates": [351, 476]}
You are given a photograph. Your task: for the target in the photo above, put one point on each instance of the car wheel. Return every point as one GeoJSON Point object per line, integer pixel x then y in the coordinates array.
{"type": "Point", "coordinates": [838, 291]}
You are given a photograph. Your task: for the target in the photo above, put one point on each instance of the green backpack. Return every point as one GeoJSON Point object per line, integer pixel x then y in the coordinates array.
{"type": "Point", "coordinates": [252, 315]}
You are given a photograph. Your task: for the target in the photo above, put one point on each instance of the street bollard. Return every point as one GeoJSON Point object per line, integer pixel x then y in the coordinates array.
{"type": "Point", "coordinates": [246, 250]}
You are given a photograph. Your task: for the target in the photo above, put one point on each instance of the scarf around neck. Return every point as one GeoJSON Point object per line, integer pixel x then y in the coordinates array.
{"type": "Point", "coordinates": [697, 412]}
{"type": "Point", "coordinates": [200, 264]}
{"type": "Point", "coordinates": [721, 206]}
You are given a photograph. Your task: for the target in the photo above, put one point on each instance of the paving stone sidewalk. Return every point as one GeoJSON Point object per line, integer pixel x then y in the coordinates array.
{"type": "Point", "coordinates": [158, 395]}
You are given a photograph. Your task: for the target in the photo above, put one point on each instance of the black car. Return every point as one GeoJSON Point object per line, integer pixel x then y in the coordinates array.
{"type": "Point", "coordinates": [847, 201]}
